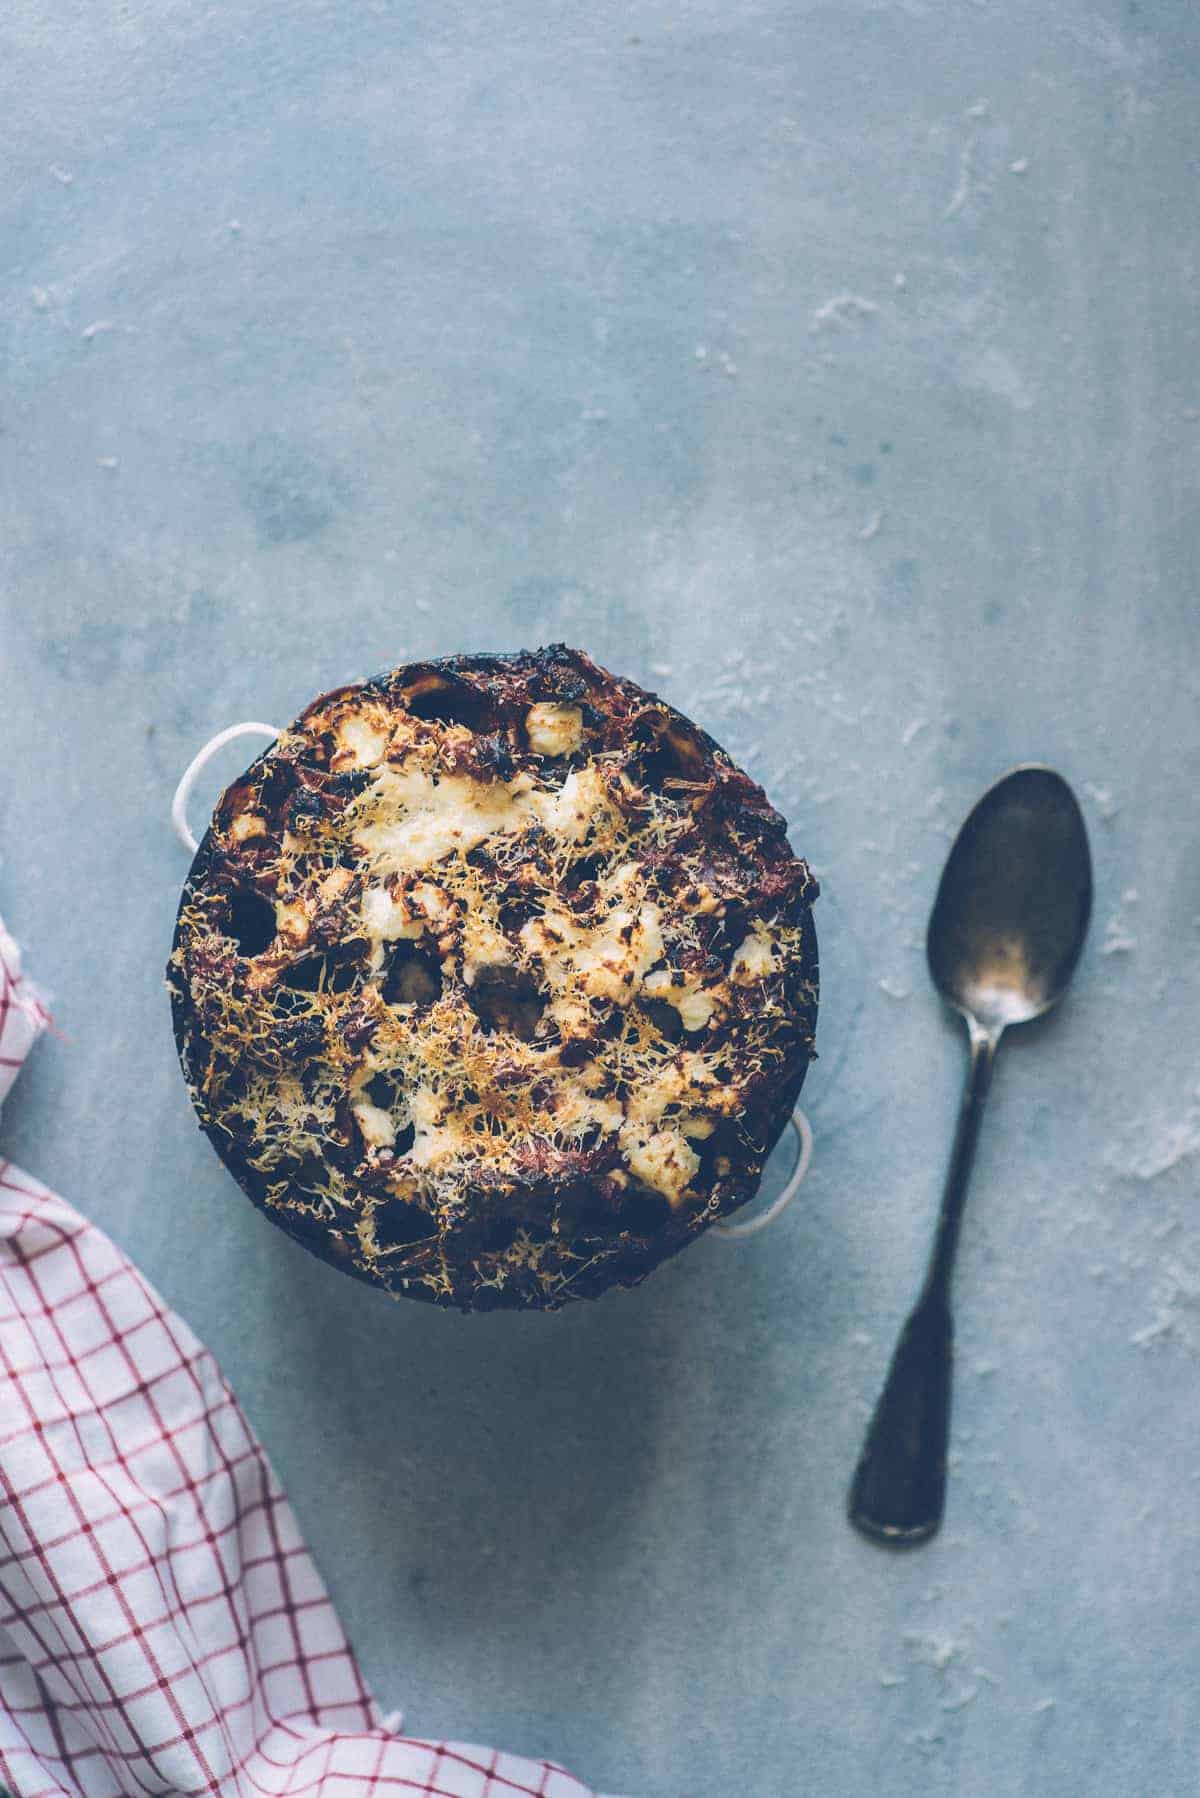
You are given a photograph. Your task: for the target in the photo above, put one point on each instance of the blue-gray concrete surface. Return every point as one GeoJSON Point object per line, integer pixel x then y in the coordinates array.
{"type": "Point", "coordinates": [834, 369]}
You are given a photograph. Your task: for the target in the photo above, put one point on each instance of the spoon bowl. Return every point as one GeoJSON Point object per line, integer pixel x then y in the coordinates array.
{"type": "Point", "coordinates": [1014, 900]}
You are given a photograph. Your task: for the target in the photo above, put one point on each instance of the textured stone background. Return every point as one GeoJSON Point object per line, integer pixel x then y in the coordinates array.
{"type": "Point", "coordinates": [832, 368]}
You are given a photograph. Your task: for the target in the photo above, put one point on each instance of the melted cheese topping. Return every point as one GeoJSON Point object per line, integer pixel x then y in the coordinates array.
{"type": "Point", "coordinates": [551, 882]}
{"type": "Point", "coordinates": [554, 729]}
{"type": "Point", "coordinates": [378, 1129]}
{"type": "Point", "coordinates": [419, 817]}
{"type": "Point", "coordinates": [583, 803]}
{"type": "Point", "coordinates": [439, 1134]}
{"type": "Point", "coordinates": [609, 961]}
{"type": "Point", "coordinates": [427, 817]}
{"type": "Point", "coordinates": [291, 921]}
{"type": "Point", "coordinates": [693, 1003]}
{"type": "Point", "coordinates": [755, 959]}
{"type": "Point", "coordinates": [484, 945]}
{"type": "Point", "coordinates": [386, 918]}
{"type": "Point", "coordinates": [661, 1159]}
{"type": "Point", "coordinates": [362, 739]}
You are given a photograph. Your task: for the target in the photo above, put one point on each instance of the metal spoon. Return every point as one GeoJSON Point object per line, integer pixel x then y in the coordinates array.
{"type": "Point", "coordinates": [1004, 936]}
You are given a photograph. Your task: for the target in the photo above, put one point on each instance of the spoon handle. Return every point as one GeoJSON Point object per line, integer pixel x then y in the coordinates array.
{"type": "Point", "coordinates": [898, 1492]}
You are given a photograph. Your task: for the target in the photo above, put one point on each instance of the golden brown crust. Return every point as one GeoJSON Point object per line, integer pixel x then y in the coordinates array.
{"type": "Point", "coordinates": [494, 980]}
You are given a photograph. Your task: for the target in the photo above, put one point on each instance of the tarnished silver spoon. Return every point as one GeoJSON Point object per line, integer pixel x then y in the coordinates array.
{"type": "Point", "coordinates": [1005, 933]}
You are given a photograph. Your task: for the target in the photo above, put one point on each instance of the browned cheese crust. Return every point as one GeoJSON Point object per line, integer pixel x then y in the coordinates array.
{"type": "Point", "coordinates": [494, 980]}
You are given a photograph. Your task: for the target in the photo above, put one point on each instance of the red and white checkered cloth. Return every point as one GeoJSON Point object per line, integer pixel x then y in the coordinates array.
{"type": "Point", "coordinates": [162, 1625]}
